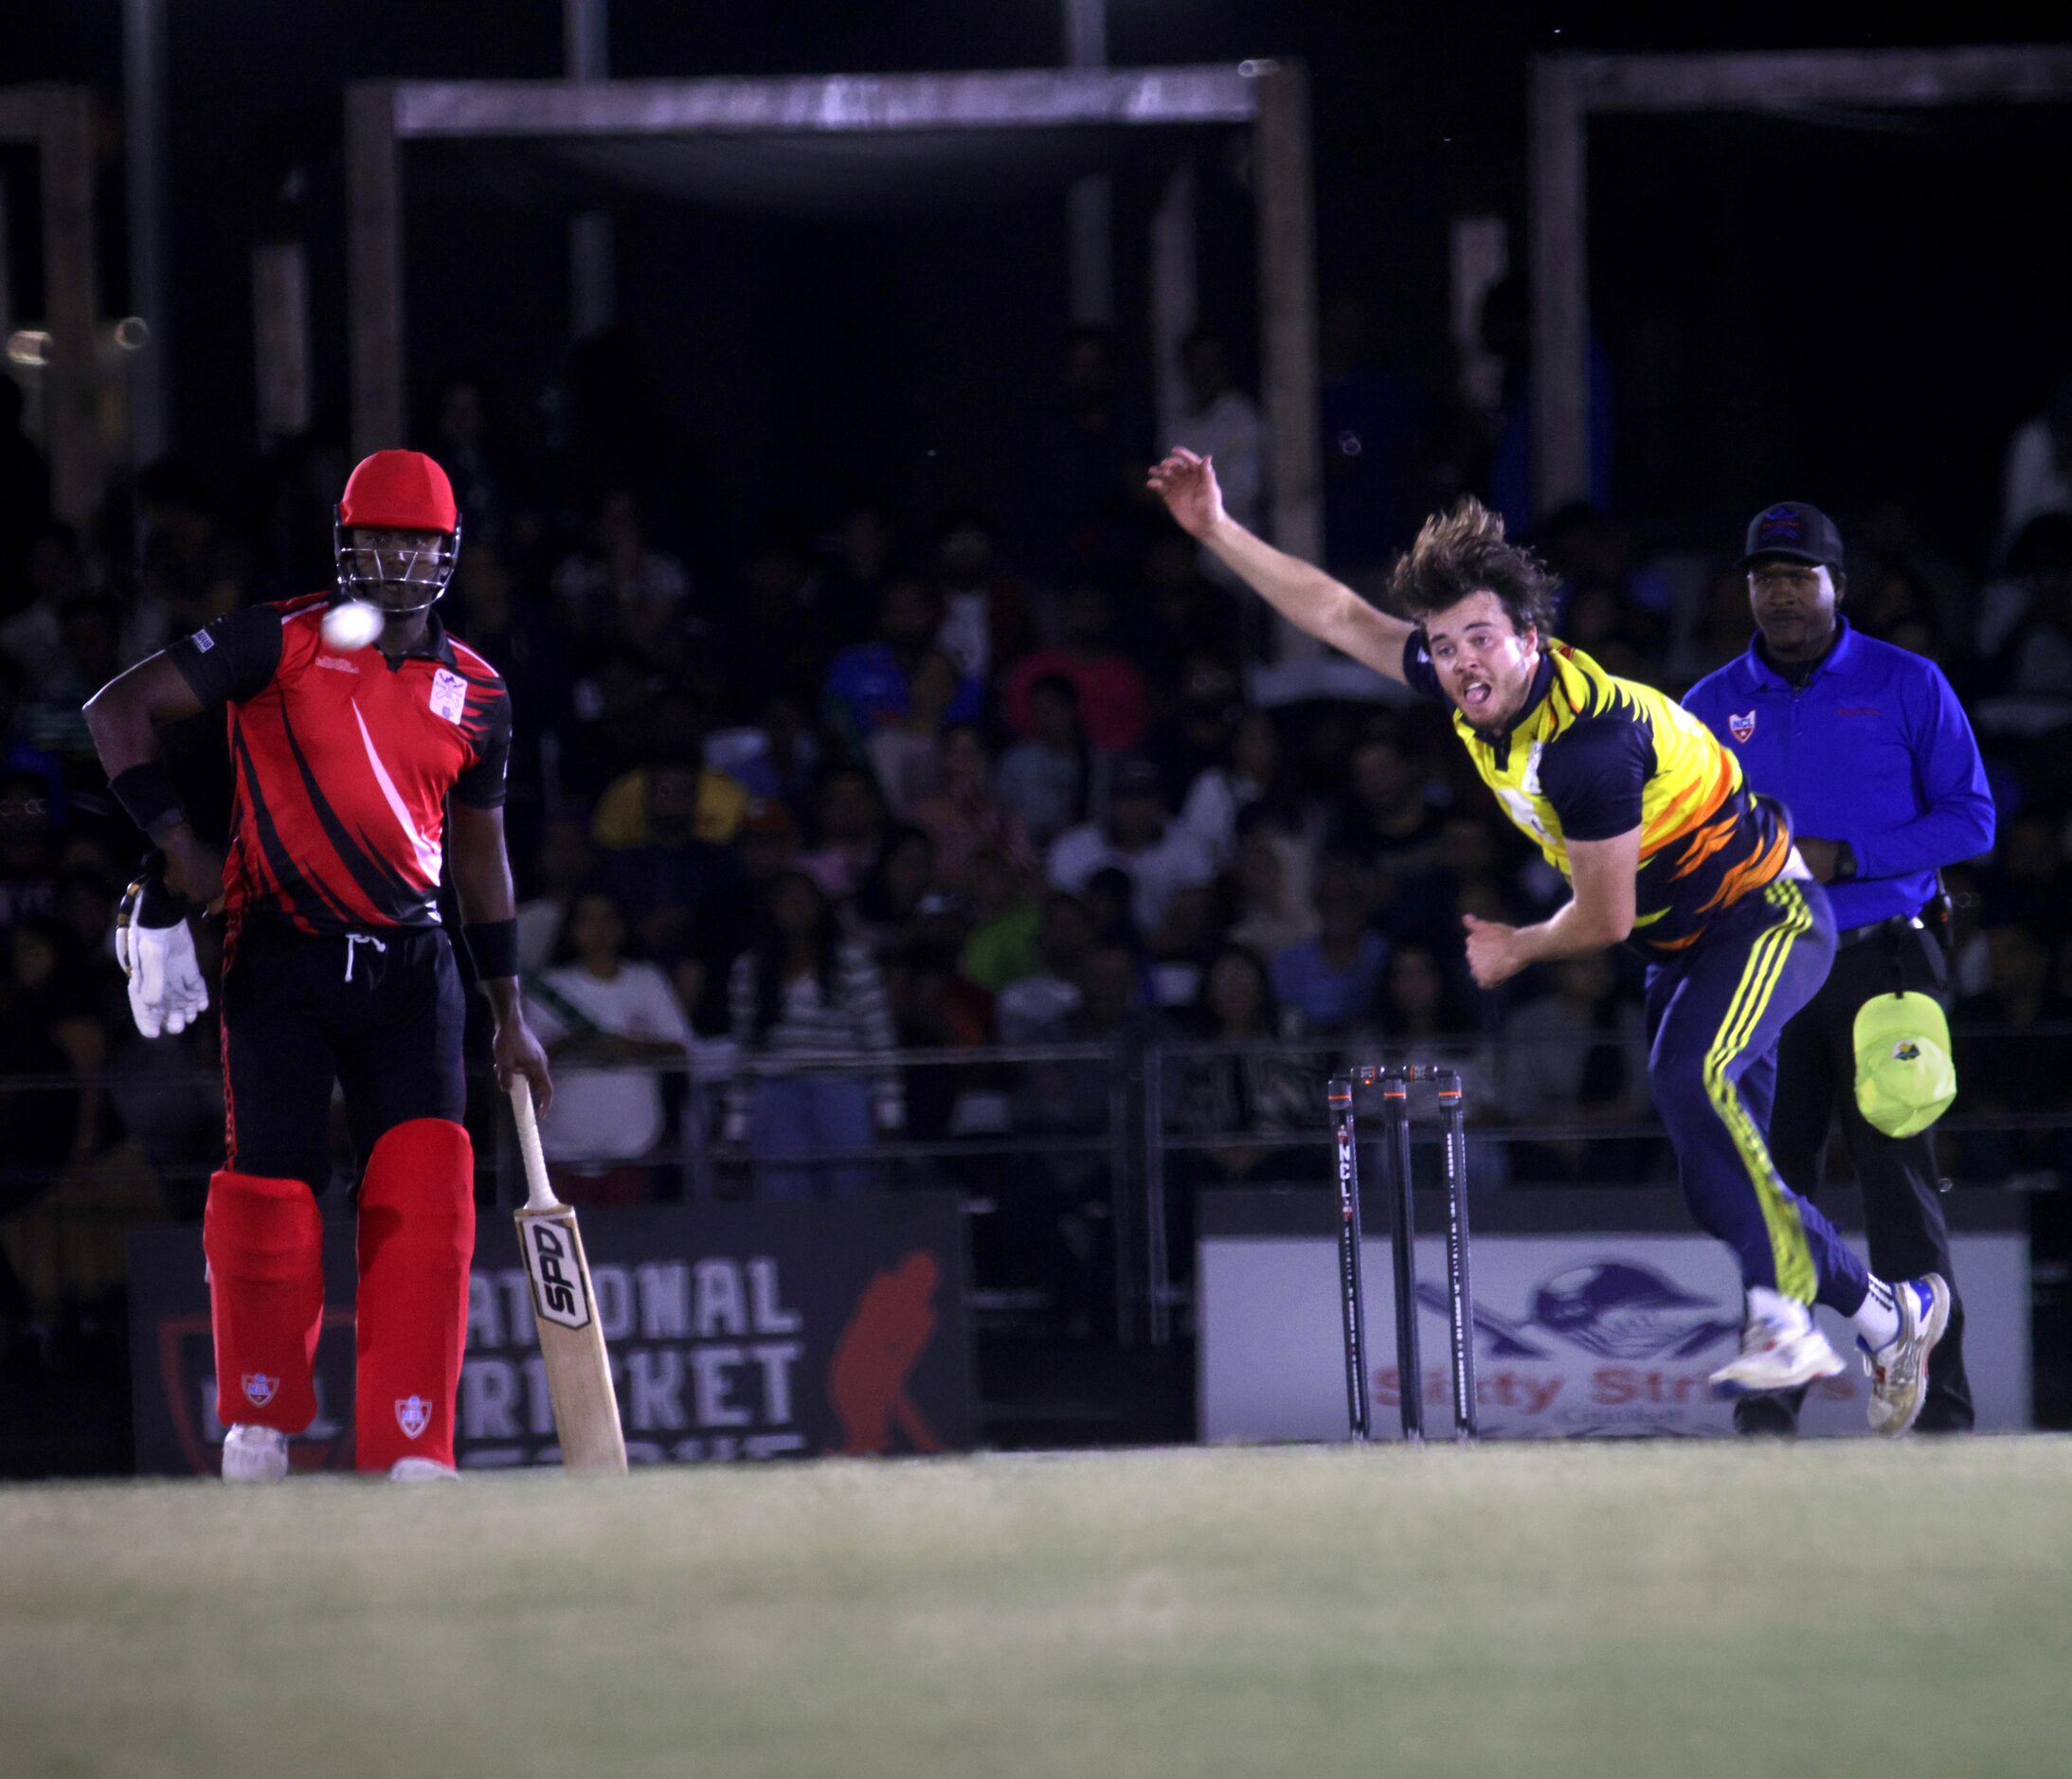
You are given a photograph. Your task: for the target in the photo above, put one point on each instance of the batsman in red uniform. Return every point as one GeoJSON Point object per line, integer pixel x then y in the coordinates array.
{"type": "Point", "coordinates": [363, 741]}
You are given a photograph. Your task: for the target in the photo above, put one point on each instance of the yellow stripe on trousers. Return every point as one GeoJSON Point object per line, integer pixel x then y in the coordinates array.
{"type": "Point", "coordinates": [1789, 1250]}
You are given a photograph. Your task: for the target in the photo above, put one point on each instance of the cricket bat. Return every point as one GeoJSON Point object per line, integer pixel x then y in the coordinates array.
{"type": "Point", "coordinates": [571, 1339]}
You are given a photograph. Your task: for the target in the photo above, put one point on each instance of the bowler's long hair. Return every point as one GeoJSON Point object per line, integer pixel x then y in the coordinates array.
{"type": "Point", "coordinates": [1464, 553]}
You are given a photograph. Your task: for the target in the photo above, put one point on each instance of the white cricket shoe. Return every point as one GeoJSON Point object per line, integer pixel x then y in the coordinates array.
{"type": "Point", "coordinates": [421, 1470]}
{"type": "Point", "coordinates": [254, 1454]}
{"type": "Point", "coordinates": [1776, 1355]}
{"type": "Point", "coordinates": [1898, 1370]}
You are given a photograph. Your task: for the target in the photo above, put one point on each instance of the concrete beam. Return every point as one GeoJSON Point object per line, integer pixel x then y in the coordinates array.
{"type": "Point", "coordinates": [1560, 258]}
{"type": "Point", "coordinates": [1031, 99]}
{"type": "Point", "coordinates": [2037, 74]}
{"type": "Point", "coordinates": [72, 388]}
{"type": "Point", "coordinates": [374, 268]}
{"type": "Point", "coordinates": [1288, 314]}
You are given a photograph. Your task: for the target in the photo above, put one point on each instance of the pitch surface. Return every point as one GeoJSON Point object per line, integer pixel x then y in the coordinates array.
{"type": "Point", "coordinates": [1830, 1608]}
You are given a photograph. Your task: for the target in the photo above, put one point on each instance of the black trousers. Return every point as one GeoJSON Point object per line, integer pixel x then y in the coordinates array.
{"type": "Point", "coordinates": [382, 1014]}
{"type": "Point", "coordinates": [1902, 1208]}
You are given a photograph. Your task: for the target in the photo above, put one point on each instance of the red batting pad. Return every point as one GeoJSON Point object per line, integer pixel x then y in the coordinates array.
{"type": "Point", "coordinates": [416, 1235]}
{"type": "Point", "coordinates": [264, 1239]}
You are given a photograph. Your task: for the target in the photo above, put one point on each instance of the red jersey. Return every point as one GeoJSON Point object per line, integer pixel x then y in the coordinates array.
{"type": "Point", "coordinates": [343, 762]}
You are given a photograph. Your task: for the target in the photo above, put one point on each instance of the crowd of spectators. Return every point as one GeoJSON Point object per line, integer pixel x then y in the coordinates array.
{"type": "Point", "coordinates": [881, 782]}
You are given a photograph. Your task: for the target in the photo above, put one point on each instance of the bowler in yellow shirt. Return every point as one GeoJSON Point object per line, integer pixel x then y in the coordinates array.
{"type": "Point", "coordinates": [1665, 847]}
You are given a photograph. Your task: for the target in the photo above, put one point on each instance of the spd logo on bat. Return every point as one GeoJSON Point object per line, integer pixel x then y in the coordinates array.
{"type": "Point", "coordinates": [557, 1281]}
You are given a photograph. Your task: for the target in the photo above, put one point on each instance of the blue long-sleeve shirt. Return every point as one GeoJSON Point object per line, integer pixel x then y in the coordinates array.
{"type": "Point", "coordinates": [1875, 749]}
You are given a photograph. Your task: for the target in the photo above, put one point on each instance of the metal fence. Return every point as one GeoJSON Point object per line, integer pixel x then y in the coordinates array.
{"type": "Point", "coordinates": [1079, 1164]}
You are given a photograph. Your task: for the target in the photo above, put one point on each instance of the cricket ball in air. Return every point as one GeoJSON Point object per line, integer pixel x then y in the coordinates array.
{"type": "Point", "coordinates": [352, 624]}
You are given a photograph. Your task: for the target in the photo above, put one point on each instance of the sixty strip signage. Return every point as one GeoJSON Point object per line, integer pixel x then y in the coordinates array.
{"type": "Point", "coordinates": [737, 1331]}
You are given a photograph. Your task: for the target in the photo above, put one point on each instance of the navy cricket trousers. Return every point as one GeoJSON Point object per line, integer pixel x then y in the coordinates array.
{"type": "Point", "coordinates": [1718, 1011]}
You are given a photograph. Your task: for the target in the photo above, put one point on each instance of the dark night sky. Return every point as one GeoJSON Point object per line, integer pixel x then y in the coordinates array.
{"type": "Point", "coordinates": [1873, 287]}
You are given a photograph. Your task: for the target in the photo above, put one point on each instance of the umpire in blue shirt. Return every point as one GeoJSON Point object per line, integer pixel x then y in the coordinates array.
{"type": "Point", "coordinates": [1868, 749]}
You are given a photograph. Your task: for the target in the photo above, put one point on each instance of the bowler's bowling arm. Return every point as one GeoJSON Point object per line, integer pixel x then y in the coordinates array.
{"type": "Point", "coordinates": [1602, 910]}
{"type": "Point", "coordinates": [1311, 600]}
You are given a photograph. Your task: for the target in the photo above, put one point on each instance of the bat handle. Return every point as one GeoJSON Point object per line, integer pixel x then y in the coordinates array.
{"type": "Point", "coordinates": [539, 1195]}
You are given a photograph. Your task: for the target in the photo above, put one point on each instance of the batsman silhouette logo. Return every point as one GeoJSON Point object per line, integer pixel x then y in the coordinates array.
{"type": "Point", "coordinates": [867, 1378]}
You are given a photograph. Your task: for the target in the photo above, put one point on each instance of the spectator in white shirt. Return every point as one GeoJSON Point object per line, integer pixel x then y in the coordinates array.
{"type": "Point", "coordinates": [1254, 778]}
{"type": "Point", "coordinates": [1274, 911]}
{"type": "Point", "coordinates": [1221, 423]}
{"type": "Point", "coordinates": [619, 589]}
{"type": "Point", "coordinates": [1138, 838]}
{"type": "Point", "coordinates": [1033, 1010]}
{"type": "Point", "coordinates": [2038, 478]}
{"type": "Point", "coordinates": [610, 1024]}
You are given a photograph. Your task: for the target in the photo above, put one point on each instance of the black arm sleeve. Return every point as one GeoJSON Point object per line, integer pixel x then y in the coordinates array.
{"type": "Point", "coordinates": [232, 659]}
{"type": "Point", "coordinates": [1418, 672]}
{"type": "Point", "coordinates": [481, 784]}
{"type": "Point", "coordinates": [1594, 775]}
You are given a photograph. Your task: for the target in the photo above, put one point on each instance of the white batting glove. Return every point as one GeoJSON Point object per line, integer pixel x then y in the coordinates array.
{"type": "Point", "coordinates": [167, 991]}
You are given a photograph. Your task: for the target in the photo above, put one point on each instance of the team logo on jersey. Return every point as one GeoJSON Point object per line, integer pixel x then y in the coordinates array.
{"type": "Point", "coordinates": [258, 1388]}
{"type": "Point", "coordinates": [1741, 726]}
{"type": "Point", "coordinates": [449, 695]}
{"type": "Point", "coordinates": [413, 1414]}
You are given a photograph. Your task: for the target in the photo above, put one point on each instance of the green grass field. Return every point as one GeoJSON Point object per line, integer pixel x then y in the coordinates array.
{"type": "Point", "coordinates": [1605, 1609]}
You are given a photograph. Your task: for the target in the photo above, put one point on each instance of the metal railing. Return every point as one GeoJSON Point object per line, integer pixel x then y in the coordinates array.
{"type": "Point", "coordinates": [1119, 1125]}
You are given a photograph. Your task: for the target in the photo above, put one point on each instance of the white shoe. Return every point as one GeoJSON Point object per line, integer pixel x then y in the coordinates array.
{"type": "Point", "coordinates": [1898, 1370]}
{"type": "Point", "coordinates": [421, 1470]}
{"type": "Point", "coordinates": [1776, 1356]}
{"type": "Point", "coordinates": [254, 1454]}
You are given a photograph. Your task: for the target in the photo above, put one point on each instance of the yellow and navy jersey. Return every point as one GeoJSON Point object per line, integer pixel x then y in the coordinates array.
{"type": "Point", "coordinates": [1594, 756]}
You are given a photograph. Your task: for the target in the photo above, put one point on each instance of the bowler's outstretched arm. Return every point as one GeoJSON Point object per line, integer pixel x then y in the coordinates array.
{"type": "Point", "coordinates": [1305, 595]}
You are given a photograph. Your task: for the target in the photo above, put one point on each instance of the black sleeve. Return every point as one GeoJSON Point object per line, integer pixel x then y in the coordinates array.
{"type": "Point", "coordinates": [481, 785]}
{"type": "Point", "coordinates": [233, 657]}
{"type": "Point", "coordinates": [1418, 672]}
{"type": "Point", "coordinates": [1594, 775]}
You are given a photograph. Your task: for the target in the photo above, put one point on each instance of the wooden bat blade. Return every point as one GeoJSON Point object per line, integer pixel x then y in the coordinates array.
{"type": "Point", "coordinates": [571, 1342]}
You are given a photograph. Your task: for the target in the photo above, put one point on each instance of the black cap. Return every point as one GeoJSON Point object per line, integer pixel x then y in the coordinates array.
{"type": "Point", "coordinates": [1795, 532]}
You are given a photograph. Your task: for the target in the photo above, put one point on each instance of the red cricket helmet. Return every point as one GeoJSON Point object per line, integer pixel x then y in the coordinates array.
{"type": "Point", "coordinates": [397, 491]}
